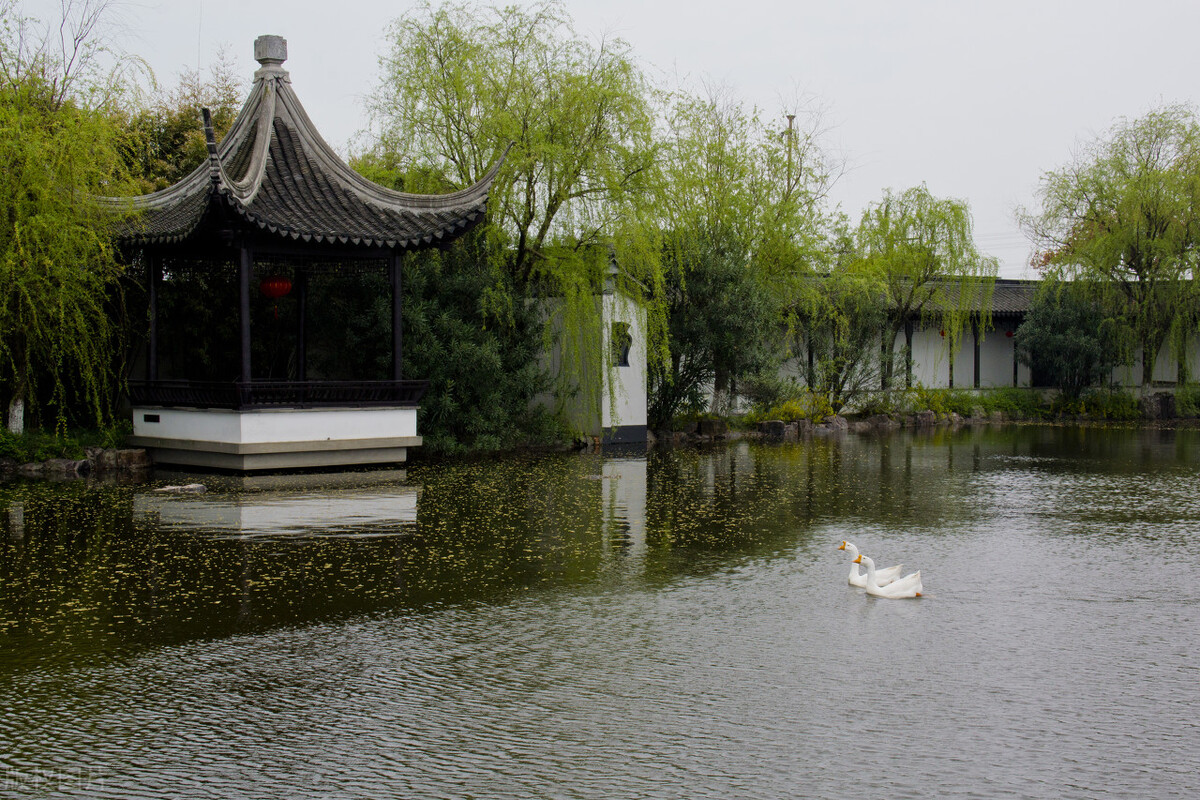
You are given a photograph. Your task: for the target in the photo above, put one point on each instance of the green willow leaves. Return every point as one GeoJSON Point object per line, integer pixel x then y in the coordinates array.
{"type": "Point", "coordinates": [59, 147]}
{"type": "Point", "coordinates": [1124, 219]}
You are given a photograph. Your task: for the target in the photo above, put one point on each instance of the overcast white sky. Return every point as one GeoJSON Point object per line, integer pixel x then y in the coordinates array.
{"type": "Point", "coordinates": [976, 99]}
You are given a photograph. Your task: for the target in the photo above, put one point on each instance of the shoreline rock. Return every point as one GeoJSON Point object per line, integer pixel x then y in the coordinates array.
{"type": "Point", "coordinates": [131, 459]}
{"type": "Point", "coordinates": [98, 461]}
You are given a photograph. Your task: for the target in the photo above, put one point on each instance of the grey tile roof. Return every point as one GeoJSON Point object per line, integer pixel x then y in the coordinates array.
{"type": "Point", "coordinates": [274, 171]}
{"type": "Point", "coordinates": [1011, 297]}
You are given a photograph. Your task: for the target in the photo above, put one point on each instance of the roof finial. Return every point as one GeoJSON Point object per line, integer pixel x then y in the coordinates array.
{"type": "Point", "coordinates": [270, 51]}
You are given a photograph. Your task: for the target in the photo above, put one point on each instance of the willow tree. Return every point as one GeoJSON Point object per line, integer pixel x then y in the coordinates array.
{"type": "Point", "coordinates": [1123, 219]}
{"type": "Point", "coordinates": [58, 272]}
{"type": "Point", "coordinates": [462, 82]}
{"type": "Point", "coordinates": [921, 250]}
{"type": "Point", "coordinates": [741, 209]}
{"type": "Point", "coordinates": [842, 317]}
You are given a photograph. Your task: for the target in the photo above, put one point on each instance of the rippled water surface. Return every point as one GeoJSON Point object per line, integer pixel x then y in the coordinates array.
{"type": "Point", "coordinates": [675, 625]}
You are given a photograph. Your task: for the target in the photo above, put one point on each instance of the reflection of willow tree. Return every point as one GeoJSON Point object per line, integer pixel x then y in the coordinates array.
{"type": "Point", "coordinates": [82, 575]}
{"type": "Point", "coordinates": [762, 496]}
{"type": "Point", "coordinates": [60, 570]}
{"type": "Point", "coordinates": [488, 528]}
{"type": "Point", "coordinates": [85, 576]}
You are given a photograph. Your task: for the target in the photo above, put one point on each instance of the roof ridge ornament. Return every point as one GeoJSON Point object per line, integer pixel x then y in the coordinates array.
{"type": "Point", "coordinates": [270, 51]}
{"type": "Point", "coordinates": [210, 140]}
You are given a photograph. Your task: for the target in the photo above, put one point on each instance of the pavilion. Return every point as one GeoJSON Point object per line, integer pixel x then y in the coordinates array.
{"type": "Point", "coordinates": [265, 268]}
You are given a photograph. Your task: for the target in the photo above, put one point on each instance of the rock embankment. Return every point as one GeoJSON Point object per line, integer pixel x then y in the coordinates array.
{"type": "Point", "coordinates": [99, 461]}
{"type": "Point", "coordinates": [778, 429]}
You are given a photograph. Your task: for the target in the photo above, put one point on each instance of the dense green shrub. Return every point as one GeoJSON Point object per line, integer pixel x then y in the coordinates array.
{"type": "Point", "coordinates": [1187, 400]}
{"type": "Point", "coordinates": [39, 445]}
{"type": "Point", "coordinates": [808, 406]}
{"type": "Point", "coordinates": [768, 388]}
{"type": "Point", "coordinates": [1014, 402]}
{"type": "Point", "coordinates": [889, 403]}
{"type": "Point", "coordinates": [1111, 405]}
{"type": "Point", "coordinates": [477, 345]}
{"type": "Point", "coordinates": [1068, 338]}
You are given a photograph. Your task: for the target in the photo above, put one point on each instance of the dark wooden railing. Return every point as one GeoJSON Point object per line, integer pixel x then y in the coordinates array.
{"type": "Point", "coordinates": [277, 394]}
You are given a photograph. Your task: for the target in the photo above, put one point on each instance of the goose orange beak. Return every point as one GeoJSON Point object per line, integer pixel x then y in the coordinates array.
{"type": "Point", "coordinates": [842, 546]}
{"type": "Point", "coordinates": [858, 560]}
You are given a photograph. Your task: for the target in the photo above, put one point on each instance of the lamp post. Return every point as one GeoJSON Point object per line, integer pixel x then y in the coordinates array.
{"type": "Point", "coordinates": [790, 119]}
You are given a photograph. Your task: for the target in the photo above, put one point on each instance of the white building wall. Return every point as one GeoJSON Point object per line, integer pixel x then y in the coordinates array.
{"type": "Point", "coordinates": [932, 362]}
{"type": "Point", "coordinates": [621, 408]}
{"type": "Point", "coordinates": [1166, 366]}
{"type": "Point", "coordinates": [623, 404]}
{"type": "Point", "coordinates": [1192, 358]}
{"type": "Point", "coordinates": [996, 357]}
{"type": "Point", "coordinates": [931, 358]}
{"type": "Point", "coordinates": [263, 426]}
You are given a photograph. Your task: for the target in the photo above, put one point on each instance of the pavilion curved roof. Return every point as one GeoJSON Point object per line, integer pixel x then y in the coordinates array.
{"type": "Point", "coordinates": [275, 171]}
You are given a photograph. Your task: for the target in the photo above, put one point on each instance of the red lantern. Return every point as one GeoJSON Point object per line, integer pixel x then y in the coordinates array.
{"type": "Point", "coordinates": [275, 287]}
{"type": "Point", "coordinates": [942, 333]}
{"type": "Point", "coordinates": [1009, 334]}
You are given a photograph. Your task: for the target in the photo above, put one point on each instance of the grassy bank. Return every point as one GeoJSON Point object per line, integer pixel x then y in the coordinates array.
{"type": "Point", "coordinates": [38, 445]}
{"type": "Point", "coordinates": [1012, 403]}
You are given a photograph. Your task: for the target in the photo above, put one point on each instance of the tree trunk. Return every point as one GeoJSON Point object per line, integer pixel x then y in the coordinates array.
{"type": "Point", "coordinates": [721, 400]}
{"type": "Point", "coordinates": [16, 412]}
{"type": "Point", "coordinates": [1149, 359]}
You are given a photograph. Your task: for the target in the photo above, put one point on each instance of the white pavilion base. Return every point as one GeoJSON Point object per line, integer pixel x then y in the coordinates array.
{"type": "Point", "coordinates": [365, 504]}
{"type": "Point", "coordinates": [276, 438]}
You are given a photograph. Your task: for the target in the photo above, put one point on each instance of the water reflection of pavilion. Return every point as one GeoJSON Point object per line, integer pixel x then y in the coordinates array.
{"type": "Point", "coordinates": [623, 487]}
{"type": "Point", "coordinates": [289, 506]}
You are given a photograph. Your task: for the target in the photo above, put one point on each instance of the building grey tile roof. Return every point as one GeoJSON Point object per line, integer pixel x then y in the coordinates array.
{"type": "Point", "coordinates": [1012, 297]}
{"type": "Point", "coordinates": [275, 172]}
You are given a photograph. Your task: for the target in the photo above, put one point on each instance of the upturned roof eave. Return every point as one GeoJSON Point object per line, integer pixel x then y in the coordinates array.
{"type": "Point", "coordinates": [433, 219]}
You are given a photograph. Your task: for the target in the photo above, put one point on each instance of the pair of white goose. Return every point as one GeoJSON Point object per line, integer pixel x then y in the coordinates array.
{"type": "Point", "coordinates": [882, 582]}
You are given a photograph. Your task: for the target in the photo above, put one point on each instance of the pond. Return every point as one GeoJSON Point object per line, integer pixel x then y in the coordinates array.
{"type": "Point", "coordinates": [675, 624]}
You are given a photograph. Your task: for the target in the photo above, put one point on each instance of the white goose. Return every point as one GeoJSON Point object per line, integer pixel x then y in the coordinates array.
{"type": "Point", "coordinates": [908, 586]}
{"type": "Point", "coordinates": [882, 576]}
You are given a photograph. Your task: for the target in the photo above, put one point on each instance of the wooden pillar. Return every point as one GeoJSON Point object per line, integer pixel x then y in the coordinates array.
{"type": "Point", "coordinates": [975, 334]}
{"type": "Point", "coordinates": [950, 350]}
{"type": "Point", "coordinates": [245, 266]}
{"type": "Point", "coordinates": [811, 364]}
{"type": "Point", "coordinates": [301, 325]}
{"type": "Point", "coordinates": [154, 276]}
{"type": "Point", "coordinates": [1015, 376]}
{"type": "Point", "coordinates": [397, 323]}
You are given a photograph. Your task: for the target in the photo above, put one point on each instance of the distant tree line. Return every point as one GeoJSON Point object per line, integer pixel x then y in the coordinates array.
{"type": "Point", "coordinates": [717, 213]}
